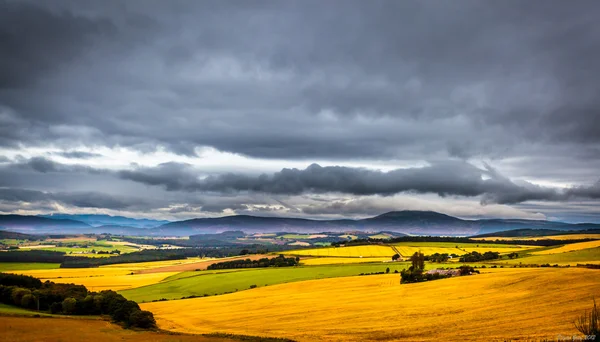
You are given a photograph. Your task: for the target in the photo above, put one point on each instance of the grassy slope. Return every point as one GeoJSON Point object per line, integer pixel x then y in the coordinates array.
{"type": "Point", "coordinates": [200, 283]}
{"type": "Point", "coordinates": [14, 266]}
{"type": "Point", "coordinates": [502, 305]}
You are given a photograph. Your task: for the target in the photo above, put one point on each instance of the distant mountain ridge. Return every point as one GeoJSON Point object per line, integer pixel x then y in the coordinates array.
{"type": "Point", "coordinates": [97, 220]}
{"type": "Point", "coordinates": [406, 222]}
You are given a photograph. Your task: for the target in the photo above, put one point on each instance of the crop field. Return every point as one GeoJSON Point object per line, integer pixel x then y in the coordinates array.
{"type": "Point", "coordinates": [26, 329]}
{"type": "Point", "coordinates": [375, 308]}
{"type": "Point", "coordinates": [211, 283]}
{"type": "Point", "coordinates": [347, 252]}
{"type": "Point", "coordinates": [200, 264]}
{"type": "Point", "coordinates": [334, 260]}
{"type": "Point", "coordinates": [12, 266]}
{"type": "Point", "coordinates": [569, 248]}
{"type": "Point", "coordinates": [97, 279]}
{"type": "Point", "coordinates": [583, 256]}
{"type": "Point", "coordinates": [548, 237]}
{"type": "Point", "coordinates": [428, 248]}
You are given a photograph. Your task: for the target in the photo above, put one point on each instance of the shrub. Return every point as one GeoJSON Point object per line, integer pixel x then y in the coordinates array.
{"type": "Point", "coordinates": [69, 306]}
{"type": "Point", "coordinates": [589, 323]}
{"type": "Point", "coordinates": [142, 319]}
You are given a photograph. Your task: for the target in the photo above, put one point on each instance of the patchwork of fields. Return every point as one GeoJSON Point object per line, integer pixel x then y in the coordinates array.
{"type": "Point", "coordinates": [487, 304]}
{"type": "Point", "coordinates": [293, 296]}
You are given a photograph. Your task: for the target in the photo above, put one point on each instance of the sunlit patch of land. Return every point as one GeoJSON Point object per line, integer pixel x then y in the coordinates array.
{"type": "Point", "coordinates": [569, 248]}
{"type": "Point", "coordinates": [501, 304]}
{"type": "Point", "coordinates": [26, 329]}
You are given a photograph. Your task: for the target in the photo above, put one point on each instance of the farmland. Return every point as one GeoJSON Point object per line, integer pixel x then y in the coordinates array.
{"type": "Point", "coordinates": [347, 252]}
{"type": "Point", "coordinates": [466, 301]}
{"type": "Point", "coordinates": [569, 248]}
{"type": "Point", "coordinates": [284, 292]}
{"type": "Point", "coordinates": [25, 329]}
{"type": "Point", "coordinates": [210, 283]}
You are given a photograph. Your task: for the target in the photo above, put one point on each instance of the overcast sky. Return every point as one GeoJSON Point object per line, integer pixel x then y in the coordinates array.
{"type": "Point", "coordinates": [181, 109]}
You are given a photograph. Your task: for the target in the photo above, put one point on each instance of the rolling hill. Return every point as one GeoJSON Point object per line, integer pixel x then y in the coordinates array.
{"type": "Point", "coordinates": [403, 222]}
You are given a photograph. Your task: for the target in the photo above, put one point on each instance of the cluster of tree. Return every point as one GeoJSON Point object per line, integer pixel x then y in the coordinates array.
{"type": "Point", "coordinates": [476, 256]}
{"type": "Point", "coordinates": [513, 255]}
{"type": "Point", "coordinates": [32, 256]}
{"type": "Point", "coordinates": [437, 257]}
{"type": "Point", "coordinates": [30, 293]}
{"type": "Point", "coordinates": [415, 272]}
{"type": "Point", "coordinates": [280, 261]}
{"type": "Point", "coordinates": [467, 270]}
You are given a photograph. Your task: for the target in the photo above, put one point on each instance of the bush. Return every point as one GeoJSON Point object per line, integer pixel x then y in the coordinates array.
{"type": "Point", "coordinates": [69, 306]}
{"type": "Point", "coordinates": [28, 301]}
{"type": "Point", "coordinates": [142, 319]}
{"type": "Point", "coordinates": [17, 295]}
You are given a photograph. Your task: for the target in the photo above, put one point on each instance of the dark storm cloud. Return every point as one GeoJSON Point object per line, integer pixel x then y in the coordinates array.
{"type": "Point", "coordinates": [441, 178]}
{"type": "Point", "coordinates": [401, 79]}
{"type": "Point", "coordinates": [512, 82]}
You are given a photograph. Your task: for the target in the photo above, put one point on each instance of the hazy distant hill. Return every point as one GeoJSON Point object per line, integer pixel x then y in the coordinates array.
{"type": "Point", "coordinates": [408, 222]}
{"type": "Point", "coordinates": [37, 225]}
{"type": "Point", "coordinates": [96, 220]}
{"type": "Point", "coordinates": [405, 222]}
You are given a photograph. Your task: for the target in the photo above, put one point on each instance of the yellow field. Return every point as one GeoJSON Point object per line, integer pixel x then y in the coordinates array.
{"type": "Point", "coordinates": [347, 252]}
{"type": "Point", "coordinates": [155, 264]}
{"type": "Point", "coordinates": [549, 237]}
{"type": "Point", "coordinates": [98, 279]}
{"type": "Point", "coordinates": [117, 282]}
{"type": "Point", "coordinates": [334, 260]}
{"type": "Point", "coordinates": [504, 304]}
{"type": "Point", "coordinates": [570, 247]}
{"type": "Point", "coordinates": [26, 329]}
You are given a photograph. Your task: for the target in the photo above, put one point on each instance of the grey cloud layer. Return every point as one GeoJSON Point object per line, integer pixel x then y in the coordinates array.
{"type": "Point", "coordinates": [511, 82]}
{"type": "Point", "coordinates": [442, 178]}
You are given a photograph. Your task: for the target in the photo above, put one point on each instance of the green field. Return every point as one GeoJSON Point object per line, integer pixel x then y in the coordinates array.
{"type": "Point", "coordinates": [17, 311]}
{"type": "Point", "coordinates": [11, 266]}
{"type": "Point", "coordinates": [200, 283]}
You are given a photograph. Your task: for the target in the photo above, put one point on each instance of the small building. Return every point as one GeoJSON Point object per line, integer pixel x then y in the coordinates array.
{"type": "Point", "coordinates": [444, 272]}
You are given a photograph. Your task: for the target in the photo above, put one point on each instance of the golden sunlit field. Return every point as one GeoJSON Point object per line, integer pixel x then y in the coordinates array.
{"type": "Point", "coordinates": [347, 252]}
{"type": "Point", "coordinates": [569, 248]}
{"type": "Point", "coordinates": [26, 329]}
{"type": "Point", "coordinates": [334, 260]}
{"type": "Point", "coordinates": [501, 304]}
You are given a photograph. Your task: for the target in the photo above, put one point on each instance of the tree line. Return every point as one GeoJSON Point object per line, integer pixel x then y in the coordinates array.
{"type": "Point", "coordinates": [476, 256]}
{"type": "Point", "coordinates": [280, 261]}
{"type": "Point", "coordinates": [31, 293]}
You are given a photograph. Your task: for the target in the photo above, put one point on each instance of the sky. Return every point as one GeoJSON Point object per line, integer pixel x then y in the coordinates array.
{"type": "Point", "coordinates": [316, 109]}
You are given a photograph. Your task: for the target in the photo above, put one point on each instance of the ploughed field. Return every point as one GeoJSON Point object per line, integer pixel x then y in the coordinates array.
{"type": "Point", "coordinates": [521, 303]}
